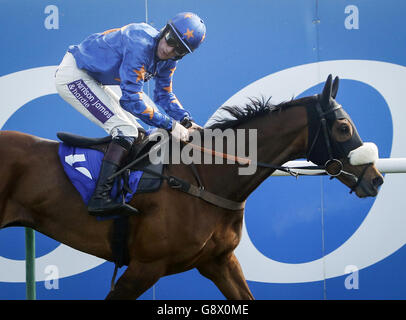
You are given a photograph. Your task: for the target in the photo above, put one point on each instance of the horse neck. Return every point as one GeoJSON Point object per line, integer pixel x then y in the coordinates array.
{"type": "Point", "coordinates": [281, 137]}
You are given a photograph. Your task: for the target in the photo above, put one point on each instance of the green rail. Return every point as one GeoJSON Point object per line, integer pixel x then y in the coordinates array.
{"type": "Point", "coordinates": [30, 264]}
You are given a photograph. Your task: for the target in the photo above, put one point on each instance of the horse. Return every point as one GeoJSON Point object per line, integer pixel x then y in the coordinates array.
{"type": "Point", "coordinates": [168, 236]}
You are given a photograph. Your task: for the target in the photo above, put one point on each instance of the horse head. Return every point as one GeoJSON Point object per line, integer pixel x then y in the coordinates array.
{"type": "Point", "coordinates": [334, 143]}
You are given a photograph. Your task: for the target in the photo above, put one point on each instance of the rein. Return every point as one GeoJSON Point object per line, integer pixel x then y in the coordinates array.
{"type": "Point", "coordinates": [332, 167]}
{"type": "Point", "coordinates": [328, 167]}
{"type": "Point", "coordinates": [247, 161]}
{"type": "Point", "coordinates": [184, 186]}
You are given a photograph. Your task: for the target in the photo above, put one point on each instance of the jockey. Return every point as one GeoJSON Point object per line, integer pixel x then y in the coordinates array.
{"type": "Point", "coordinates": [128, 56]}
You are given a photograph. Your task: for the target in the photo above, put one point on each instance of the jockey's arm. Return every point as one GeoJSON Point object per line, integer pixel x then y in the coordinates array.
{"type": "Point", "coordinates": [132, 83]}
{"type": "Point", "coordinates": [165, 98]}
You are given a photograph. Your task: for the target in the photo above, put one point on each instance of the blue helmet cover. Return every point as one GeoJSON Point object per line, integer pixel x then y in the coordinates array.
{"type": "Point", "coordinates": [189, 28]}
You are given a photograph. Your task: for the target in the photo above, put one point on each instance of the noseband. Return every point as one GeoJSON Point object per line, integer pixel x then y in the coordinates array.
{"type": "Point", "coordinates": [333, 167]}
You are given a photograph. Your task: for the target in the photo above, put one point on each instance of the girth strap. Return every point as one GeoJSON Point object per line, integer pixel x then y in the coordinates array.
{"type": "Point", "coordinates": [119, 245]}
{"type": "Point", "coordinates": [201, 193]}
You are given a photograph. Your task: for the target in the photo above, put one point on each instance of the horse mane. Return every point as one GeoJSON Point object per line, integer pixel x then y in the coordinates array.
{"type": "Point", "coordinates": [256, 107]}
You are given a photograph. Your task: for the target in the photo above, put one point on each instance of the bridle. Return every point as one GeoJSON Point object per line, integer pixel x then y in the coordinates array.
{"type": "Point", "coordinates": [331, 165]}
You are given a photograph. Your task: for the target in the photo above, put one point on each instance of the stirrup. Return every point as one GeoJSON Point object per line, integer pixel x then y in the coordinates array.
{"type": "Point", "coordinates": [123, 209]}
{"type": "Point", "coordinates": [113, 209]}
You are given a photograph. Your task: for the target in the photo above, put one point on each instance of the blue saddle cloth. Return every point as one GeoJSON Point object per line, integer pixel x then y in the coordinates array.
{"type": "Point", "coordinates": [82, 166]}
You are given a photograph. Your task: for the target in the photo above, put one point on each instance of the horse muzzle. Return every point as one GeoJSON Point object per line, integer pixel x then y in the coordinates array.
{"type": "Point", "coordinates": [369, 187]}
{"type": "Point", "coordinates": [366, 184]}
{"type": "Point", "coordinates": [370, 180]}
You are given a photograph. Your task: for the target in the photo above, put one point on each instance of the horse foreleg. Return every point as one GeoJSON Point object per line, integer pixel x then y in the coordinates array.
{"type": "Point", "coordinates": [226, 273]}
{"type": "Point", "coordinates": [137, 279]}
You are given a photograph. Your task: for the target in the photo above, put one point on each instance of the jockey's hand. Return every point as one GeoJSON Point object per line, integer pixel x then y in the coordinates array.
{"type": "Point", "coordinates": [179, 132]}
{"type": "Point", "coordinates": [195, 126]}
{"type": "Point", "coordinates": [190, 124]}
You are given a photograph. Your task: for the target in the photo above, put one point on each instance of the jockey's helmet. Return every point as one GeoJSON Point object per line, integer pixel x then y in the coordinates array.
{"type": "Point", "coordinates": [187, 29]}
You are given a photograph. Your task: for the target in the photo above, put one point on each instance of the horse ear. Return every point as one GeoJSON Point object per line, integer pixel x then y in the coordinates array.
{"type": "Point", "coordinates": [326, 94]}
{"type": "Point", "coordinates": [334, 88]}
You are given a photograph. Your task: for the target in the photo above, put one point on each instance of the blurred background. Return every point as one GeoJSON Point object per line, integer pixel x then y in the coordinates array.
{"type": "Point", "coordinates": [305, 238]}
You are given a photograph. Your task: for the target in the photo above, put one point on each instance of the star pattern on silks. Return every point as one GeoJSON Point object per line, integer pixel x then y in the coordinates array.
{"type": "Point", "coordinates": [115, 29]}
{"type": "Point", "coordinates": [204, 36]}
{"type": "Point", "coordinates": [188, 15]}
{"type": "Point", "coordinates": [148, 110]}
{"type": "Point", "coordinates": [189, 33]}
{"type": "Point", "coordinates": [168, 89]}
{"type": "Point", "coordinates": [140, 74]}
{"type": "Point", "coordinates": [177, 102]}
{"type": "Point", "coordinates": [172, 71]}
{"type": "Point", "coordinates": [110, 31]}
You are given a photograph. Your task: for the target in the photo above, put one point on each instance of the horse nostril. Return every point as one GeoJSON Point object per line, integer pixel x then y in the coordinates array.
{"type": "Point", "coordinates": [378, 181]}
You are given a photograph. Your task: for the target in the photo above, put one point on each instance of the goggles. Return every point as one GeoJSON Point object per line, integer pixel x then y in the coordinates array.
{"type": "Point", "coordinates": [172, 41]}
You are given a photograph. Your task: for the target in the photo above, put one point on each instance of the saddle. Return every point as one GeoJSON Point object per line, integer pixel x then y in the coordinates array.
{"type": "Point", "coordinates": [150, 181]}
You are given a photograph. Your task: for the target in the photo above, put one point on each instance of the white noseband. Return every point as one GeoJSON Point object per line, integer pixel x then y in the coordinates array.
{"type": "Point", "coordinates": [367, 153]}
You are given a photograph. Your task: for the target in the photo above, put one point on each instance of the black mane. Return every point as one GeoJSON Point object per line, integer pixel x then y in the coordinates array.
{"type": "Point", "coordinates": [255, 108]}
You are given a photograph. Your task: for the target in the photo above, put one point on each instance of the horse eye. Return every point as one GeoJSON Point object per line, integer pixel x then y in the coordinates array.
{"type": "Point", "coordinates": [344, 129]}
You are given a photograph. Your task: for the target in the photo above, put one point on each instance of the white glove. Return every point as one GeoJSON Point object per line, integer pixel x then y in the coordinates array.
{"type": "Point", "coordinates": [179, 132]}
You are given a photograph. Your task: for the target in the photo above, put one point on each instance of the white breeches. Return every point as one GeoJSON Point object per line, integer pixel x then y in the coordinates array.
{"type": "Point", "coordinates": [90, 98]}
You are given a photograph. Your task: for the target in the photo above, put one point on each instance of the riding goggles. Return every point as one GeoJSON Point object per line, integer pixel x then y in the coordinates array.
{"type": "Point", "coordinates": [172, 41]}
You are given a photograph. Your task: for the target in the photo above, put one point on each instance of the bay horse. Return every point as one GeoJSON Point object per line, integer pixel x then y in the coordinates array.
{"type": "Point", "coordinates": [169, 236]}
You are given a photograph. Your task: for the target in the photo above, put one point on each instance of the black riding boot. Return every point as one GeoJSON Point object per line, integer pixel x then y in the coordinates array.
{"type": "Point", "coordinates": [101, 203]}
